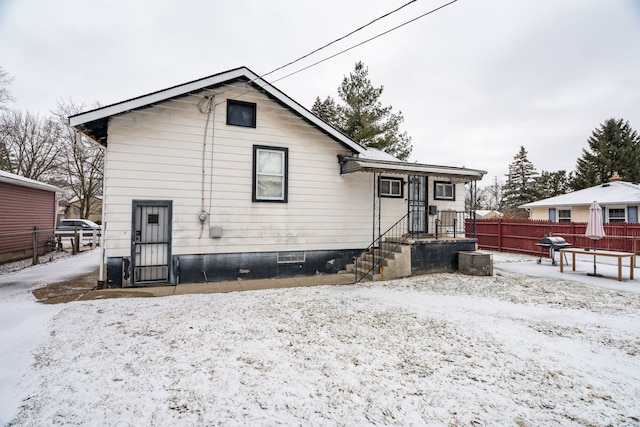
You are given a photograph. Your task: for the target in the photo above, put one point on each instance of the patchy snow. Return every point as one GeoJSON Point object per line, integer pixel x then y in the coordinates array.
{"type": "Point", "coordinates": [439, 349]}
{"type": "Point", "coordinates": [375, 154]}
{"type": "Point", "coordinates": [26, 323]}
{"type": "Point", "coordinates": [11, 267]}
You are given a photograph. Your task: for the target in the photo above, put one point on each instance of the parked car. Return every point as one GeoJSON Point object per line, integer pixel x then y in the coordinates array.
{"type": "Point", "coordinates": [68, 227]}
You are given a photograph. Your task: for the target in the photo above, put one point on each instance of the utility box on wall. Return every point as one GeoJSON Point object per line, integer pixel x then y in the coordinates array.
{"type": "Point", "coordinates": [215, 232]}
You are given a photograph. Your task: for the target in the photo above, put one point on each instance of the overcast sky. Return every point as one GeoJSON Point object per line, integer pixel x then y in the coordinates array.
{"type": "Point", "coordinates": [475, 80]}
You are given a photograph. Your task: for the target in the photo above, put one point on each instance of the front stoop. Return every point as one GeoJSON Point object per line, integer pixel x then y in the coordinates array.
{"type": "Point", "coordinates": [396, 264]}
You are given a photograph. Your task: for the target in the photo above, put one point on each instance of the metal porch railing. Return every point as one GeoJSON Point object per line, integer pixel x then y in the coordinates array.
{"type": "Point", "coordinates": [383, 246]}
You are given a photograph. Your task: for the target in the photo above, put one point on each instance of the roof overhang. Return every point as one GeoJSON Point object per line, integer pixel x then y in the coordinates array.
{"type": "Point", "coordinates": [95, 123]}
{"type": "Point", "coordinates": [21, 181]}
{"type": "Point", "coordinates": [456, 174]}
{"type": "Point", "coordinates": [609, 194]}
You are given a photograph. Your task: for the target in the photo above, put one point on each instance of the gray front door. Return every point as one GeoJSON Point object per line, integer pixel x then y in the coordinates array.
{"type": "Point", "coordinates": [151, 245]}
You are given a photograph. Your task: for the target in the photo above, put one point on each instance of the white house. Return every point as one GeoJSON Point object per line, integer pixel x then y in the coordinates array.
{"type": "Point", "coordinates": [227, 177]}
{"type": "Point", "coordinates": [619, 201]}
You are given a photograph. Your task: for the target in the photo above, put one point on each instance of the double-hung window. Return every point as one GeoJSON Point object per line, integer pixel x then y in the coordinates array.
{"type": "Point", "coordinates": [270, 167]}
{"type": "Point", "coordinates": [617, 215]}
{"type": "Point", "coordinates": [444, 191]}
{"type": "Point", "coordinates": [564, 215]}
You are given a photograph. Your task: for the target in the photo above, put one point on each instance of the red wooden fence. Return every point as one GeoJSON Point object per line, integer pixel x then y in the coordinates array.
{"type": "Point", "coordinates": [521, 235]}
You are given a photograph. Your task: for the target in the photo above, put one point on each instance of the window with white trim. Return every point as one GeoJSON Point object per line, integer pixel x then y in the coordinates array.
{"type": "Point", "coordinates": [444, 191]}
{"type": "Point", "coordinates": [391, 187]}
{"type": "Point", "coordinates": [564, 215]}
{"type": "Point", "coordinates": [617, 214]}
{"type": "Point", "coordinates": [270, 166]}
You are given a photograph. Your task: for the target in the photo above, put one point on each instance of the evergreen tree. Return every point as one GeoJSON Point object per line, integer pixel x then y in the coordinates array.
{"type": "Point", "coordinates": [520, 187]}
{"type": "Point", "coordinates": [362, 116]}
{"type": "Point", "coordinates": [327, 110]}
{"type": "Point", "coordinates": [550, 184]}
{"type": "Point", "coordinates": [613, 148]}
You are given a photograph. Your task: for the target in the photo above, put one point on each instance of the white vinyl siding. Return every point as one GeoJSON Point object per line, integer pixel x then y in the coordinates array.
{"type": "Point", "coordinates": [156, 154]}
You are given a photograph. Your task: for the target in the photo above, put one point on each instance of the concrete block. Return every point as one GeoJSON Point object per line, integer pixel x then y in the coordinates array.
{"type": "Point", "coordinates": [475, 263]}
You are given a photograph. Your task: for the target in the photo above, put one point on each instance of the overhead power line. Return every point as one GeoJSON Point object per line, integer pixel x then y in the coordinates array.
{"type": "Point", "coordinates": [365, 41]}
{"type": "Point", "coordinates": [340, 38]}
{"type": "Point", "coordinates": [352, 47]}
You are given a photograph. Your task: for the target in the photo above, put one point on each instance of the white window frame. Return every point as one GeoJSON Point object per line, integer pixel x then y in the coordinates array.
{"type": "Point", "coordinates": [283, 152]}
{"type": "Point", "coordinates": [617, 218]}
{"type": "Point", "coordinates": [561, 218]}
{"type": "Point", "coordinates": [440, 190]}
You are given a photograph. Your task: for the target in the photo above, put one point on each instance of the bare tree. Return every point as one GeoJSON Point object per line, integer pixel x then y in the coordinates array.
{"type": "Point", "coordinates": [82, 162]}
{"type": "Point", "coordinates": [5, 95]}
{"type": "Point", "coordinates": [29, 145]}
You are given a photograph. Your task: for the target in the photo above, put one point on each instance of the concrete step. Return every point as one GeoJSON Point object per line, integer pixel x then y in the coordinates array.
{"type": "Point", "coordinates": [396, 263]}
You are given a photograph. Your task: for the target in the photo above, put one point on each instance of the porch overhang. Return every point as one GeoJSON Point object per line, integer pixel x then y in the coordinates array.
{"type": "Point", "coordinates": [350, 164]}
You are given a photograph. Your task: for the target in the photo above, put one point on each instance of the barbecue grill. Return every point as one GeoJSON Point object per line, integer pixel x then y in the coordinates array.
{"type": "Point", "coordinates": [552, 243]}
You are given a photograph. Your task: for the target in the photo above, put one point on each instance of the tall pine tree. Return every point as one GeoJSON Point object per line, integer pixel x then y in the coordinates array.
{"type": "Point", "coordinates": [362, 116]}
{"type": "Point", "coordinates": [550, 184]}
{"type": "Point", "coordinates": [613, 148]}
{"type": "Point", "coordinates": [521, 186]}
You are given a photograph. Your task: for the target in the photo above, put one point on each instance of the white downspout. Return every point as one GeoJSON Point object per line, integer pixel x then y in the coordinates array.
{"type": "Point", "coordinates": [104, 224]}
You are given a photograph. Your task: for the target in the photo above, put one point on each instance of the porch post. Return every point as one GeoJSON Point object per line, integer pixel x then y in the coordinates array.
{"type": "Point", "coordinates": [376, 219]}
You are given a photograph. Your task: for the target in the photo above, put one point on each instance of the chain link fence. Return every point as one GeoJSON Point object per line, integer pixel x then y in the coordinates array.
{"type": "Point", "coordinates": [22, 244]}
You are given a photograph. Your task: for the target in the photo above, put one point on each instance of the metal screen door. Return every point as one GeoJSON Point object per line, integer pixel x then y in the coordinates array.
{"type": "Point", "coordinates": [151, 242]}
{"type": "Point", "coordinates": [417, 204]}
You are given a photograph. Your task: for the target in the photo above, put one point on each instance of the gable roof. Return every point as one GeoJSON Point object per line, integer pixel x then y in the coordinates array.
{"type": "Point", "coordinates": [610, 193]}
{"type": "Point", "coordinates": [11, 178]}
{"type": "Point", "coordinates": [94, 123]}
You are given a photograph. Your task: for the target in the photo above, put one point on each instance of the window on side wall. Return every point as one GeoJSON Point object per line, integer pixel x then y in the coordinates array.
{"type": "Point", "coordinates": [564, 215]}
{"type": "Point", "coordinates": [270, 167]}
{"type": "Point", "coordinates": [241, 113]}
{"type": "Point", "coordinates": [391, 187]}
{"type": "Point", "coordinates": [617, 215]}
{"type": "Point", "coordinates": [444, 191]}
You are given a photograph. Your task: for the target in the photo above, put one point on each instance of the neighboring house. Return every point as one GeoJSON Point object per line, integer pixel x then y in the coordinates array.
{"type": "Point", "coordinates": [63, 207]}
{"type": "Point", "coordinates": [487, 214]}
{"type": "Point", "coordinates": [72, 210]}
{"type": "Point", "coordinates": [26, 206]}
{"type": "Point", "coordinates": [227, 177]}
{"type": "Point", "coordinates": [618, 199]}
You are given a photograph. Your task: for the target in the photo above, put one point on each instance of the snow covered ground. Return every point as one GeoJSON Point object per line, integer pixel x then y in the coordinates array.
{"type": "Point", "coordinates": [440, 349]}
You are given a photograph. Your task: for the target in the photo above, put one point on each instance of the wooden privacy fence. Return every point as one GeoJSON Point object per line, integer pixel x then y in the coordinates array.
{"type": "Point", "coordinates": [521, 235]}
